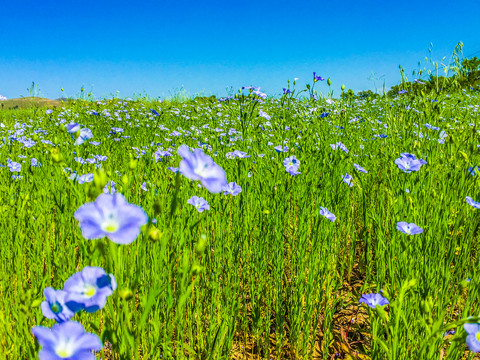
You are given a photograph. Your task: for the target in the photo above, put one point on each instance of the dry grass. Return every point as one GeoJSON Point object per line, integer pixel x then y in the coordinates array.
{"type": "Point", "coordinates": [30, 102]}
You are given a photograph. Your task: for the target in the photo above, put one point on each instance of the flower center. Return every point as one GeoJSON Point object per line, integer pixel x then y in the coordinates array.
{"type": "Point", "coordinates": [64, 349]}
{"type": "Point", "coordinates": [89, 291]}
{"type": "Point", "coordinates": [477, 335]}
{"type": "Point", "coordinates": [56, 308]}
{"type": "Point", "coordinates": [110, 225]}
{"type": "Point", "coordinates": [200, 171]}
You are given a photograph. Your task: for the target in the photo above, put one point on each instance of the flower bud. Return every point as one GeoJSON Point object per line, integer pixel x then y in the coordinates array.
{"type": "Point", "coordinates": [342, 87]}
{"type": "Point", "coordinates": [154, 234]}
{"type": "Point", "coordinates": [132, 164]}
{"type": "Point", "coordinates": [125, 294]}
{"type": "Point", "coordinates": [56, 155]}
{"type": "Point", "coordinates": [100, 179]}
{"type": "Point", "coordinates": [201, 244]}
{"type": "Point", "coordinates": [329, 82]}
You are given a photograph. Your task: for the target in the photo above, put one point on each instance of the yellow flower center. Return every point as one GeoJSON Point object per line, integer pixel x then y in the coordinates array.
{"type": "Point", "coordinates": [110, 225]}
{"type": "Point", "coordinates": [64, 349]}
{"type": "Point", "coordinates": [89, 291]}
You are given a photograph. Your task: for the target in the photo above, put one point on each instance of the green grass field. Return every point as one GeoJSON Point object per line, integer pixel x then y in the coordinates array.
{"type": "Point", "coordinates": [262, 274]}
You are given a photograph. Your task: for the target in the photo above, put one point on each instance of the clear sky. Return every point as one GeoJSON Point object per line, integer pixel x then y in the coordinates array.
{"type": "Point", "coordinates": [156, 47]}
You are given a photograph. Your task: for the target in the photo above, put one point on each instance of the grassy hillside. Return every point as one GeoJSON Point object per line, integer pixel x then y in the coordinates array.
{"type": "Point", "coordinates": [30, 102]}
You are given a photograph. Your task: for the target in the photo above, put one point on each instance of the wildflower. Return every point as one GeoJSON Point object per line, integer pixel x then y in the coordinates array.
{"type": "Point", "coordinates": [54, 305]}
{"type": "Point", "coordinates": [14, 166]}
{"type": "Point", "coordinates": [198, 166]}
{"type": "Point", "coordinates": [88, 289]}
{"type": "Point", "coordinates": [144, 186]}
{"type": "Point", "coordinates": [409, 229]}
{"type": "Point", "coordinates": [373, 300]}
{"type": "Point", "coordinates": [85, 178]}
{"type": "Point", "coordinates": [286, 91]}
{"type": "Point", "coordinates": [340, 146]}
{"type": "Point", "coordinates": [159, 154]}
{"type": "Point", "coordinates": [291, 162]}
{"type": "Point", "coordinates": [408, 163]}
{"type": "Point", "coordinates": [174, 169]}
{"type": "Point", "coordinates": [35, 162]}
{"type": "Point", "coordinates": [72, 128]}
{"type": "Point", "coordinates": [359, 168]}
{"type": "Point", "coordinates": [264, 115]}
{"type": "Point", "coordinates": [347, 179]}
{"type": "Point", "coordinates": [232, 189]}
{"type": "Point", "coordinates": [240, 154]}
{"type": "Point", "coordinates": [115, 130]}
{"type": "Point", "coordinates": [49, 111]}
{"type": "Point", "coordinates": [67, 340]}
{"type": "Point", "coordinates": [317, 78]}
{"type": "Point", "coordinates": [109, 188]}
{"type": "Point", "coordinates": [281, 148]}
{"type": "Point", "coordinates": [473, 170]}
{"type": "Point", "coordinates": [431, 127]}
{"type": "Point", "coordinates": [330, 101]}
{"type": "Point", "coordinates": [84, 135]}
{"type": "Point", "coordinates": [473, 203]}
{"type": "Point", "coordinates": [326, 213]}
{"type": "Point", "coordinates": [473, 336]}
{"type": "Point", "coordinates": [2, 98]}
{"type": "Point", "coordinates": [199, 203]}
{"type": "Point", "coordinates": [111, 216]}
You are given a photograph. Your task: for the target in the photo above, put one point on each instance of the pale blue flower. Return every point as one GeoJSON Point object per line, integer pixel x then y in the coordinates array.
{"type": "Point", "coordinates": [88, 289]}
{"type": "Point", "coordinates": [54, 305]}
{"type": "Point", "coordinates": [199, 203]}
{"type": "Point", "coordinates": [372, 300]}
{"type": "Point", "coordinates": [67, 340]}
{"type": "Point", "coordinates": [473, 203]}
{"type": "Point", "coordinates": [197, 165]}
{"type": "Point", "coordinates": [111, 216]}
{"type": "Point", "coordinates": [232, 189]}
{"type": "Point", "coordinates": [327, 214]}
{"type": "Point", "coordinates": [409, 228]}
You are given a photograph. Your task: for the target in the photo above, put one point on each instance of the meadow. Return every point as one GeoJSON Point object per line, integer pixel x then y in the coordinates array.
{"type": "Point", "coordinates": [353, 235]}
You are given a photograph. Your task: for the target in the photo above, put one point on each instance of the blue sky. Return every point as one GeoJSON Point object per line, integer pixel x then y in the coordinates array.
{"type": "Point", "coordinates": [156, 47]}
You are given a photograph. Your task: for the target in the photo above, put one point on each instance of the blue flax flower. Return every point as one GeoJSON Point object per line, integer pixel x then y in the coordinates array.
{"type": "Point", "coordinates": [373, 300]}
{"type": "Point", "coordinates": [84, 135]}
{"type": "Point", "coordinates": [317, 78]}
{"type": "Point", "coordinates": [409, 229]}
{"type": "Point", "coordinates": [199, 203]}
{"type": "Point", "coordinates": [14, 166]}
{"type": "Point", "coordinates": [473, 170]}
{"type": "Point", "coordinates": [111, 216]}
{"type": "Point", "coordinates": [340, 146]}
{"type": "Point", "coordinates": [88, 289]}
{"type": "Point", "coordinates": [291, 165]}
{"type": "Point", "coordinates": [198, 166]}
{"type": "Point", "coordinates": [408, 162]}
{"type": "Point", "coordinates": [54, 305]}
{"type": "Point", "coordinates": [359, 168]}
{"type": "Point", "coordinates": [326, 213]}
{"type": "Point", "coordinates": [347, 179]}
{"type": "Point", "coordinates": [232, 189]}
{"type": "Point", "coordinates": [473, 336]}
{"type": "Point", "coordinates": [473, 203]}
{"type": "Point", "coordinates": [67, 340]}
{"type": "Point", "coordinates": [72, 128]}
